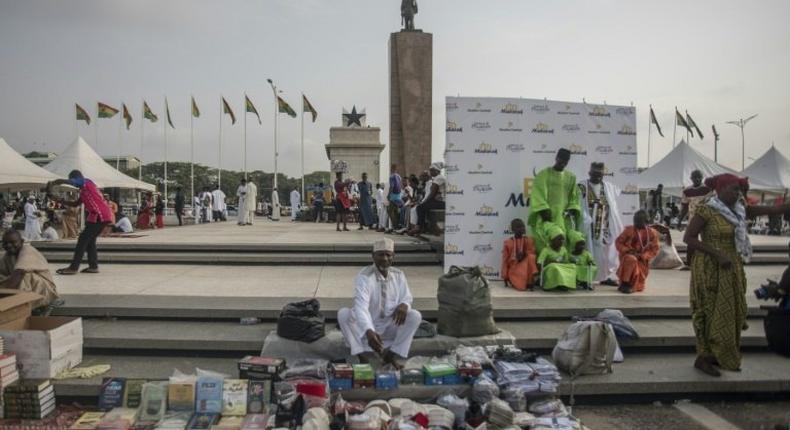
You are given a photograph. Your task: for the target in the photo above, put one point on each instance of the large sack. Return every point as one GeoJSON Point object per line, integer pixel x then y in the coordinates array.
{"type": "Point", "coordinates": [301, 321]}
{"type": "Point", "coordinates": [667, 258]}
{"type": "Point", "coordinates": [465, 303]}
{"type": "Point", "coordinates": [586, 348]}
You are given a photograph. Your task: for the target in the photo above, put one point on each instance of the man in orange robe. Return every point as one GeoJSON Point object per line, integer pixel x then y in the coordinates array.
{"type": "Point", "coordinates": [519, 261]}
{"type": "Point", "coordinates": [637, 245]}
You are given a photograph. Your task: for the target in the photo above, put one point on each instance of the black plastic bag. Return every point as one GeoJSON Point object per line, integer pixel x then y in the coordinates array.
{"type": "Point", "coordinates": [301, 321]}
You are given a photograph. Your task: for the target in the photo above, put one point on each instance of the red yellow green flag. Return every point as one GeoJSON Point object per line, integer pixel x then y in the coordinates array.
{"type": "Point", "coordinates": [307, 107]}
{"type": "Point", "coordinates": [249, 107]}
{"type": "Point", "coordinates": [82, 115]}
{"type": "Point", "coordinates": [149, 114]}
{"type": "Point", "coordinates": [284, 107]}
{"type": "Point", "coordinates": [167, 114]}
{"type": "Point", "coordinates": [195, 110]}
{"type": "Point", "coordinates": [106, 111]}
{"type": "Point", "coordinates": [227, 110]}
{"type": "Point", "coordinates": [127, 116]}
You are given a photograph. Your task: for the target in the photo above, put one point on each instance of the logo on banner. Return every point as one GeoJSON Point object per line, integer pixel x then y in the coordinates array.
{"type": "Point", "coordinates": [510, 127]}
{"type": "Point", "coordinates": [542, 128]}
{"type": "Point", "coordinates": [577, 149]}
{"type": "Point", "coordinates": [483, 249]}
{"type": "Point", "coordinates": [480, 171]}
{"type": "Point", "coordinates": [508, 232]}
{"type": "Point", "coordinates": [452, 211]}
{"type": "Point", "coordinates": [629, 150]}
{"type": "Point", "coordinates": [451, 168]}
{"type": "Point", "coordinates": [451, 148]}
{"type": "Point", "coordinates": [607, 172]}
{"type": "Point", "coordinates": [452, 229]}
{"type": "Point", "coordinates": [544, 108]}
{"type": "Point", "coordinates": [451, 249]}
{"type": "Point", "coordinates": [486, 211]}
{"type": "Point", "coordinates": [453, 189]}
{"type": "Point", "coordinates": [451, 126]}
{"type": "Point", "coordinates": [603, 149]}
{"type": "Point", "coordinates": [599, 130]}
{"type": "Point", "coordinates": [627, 131]}
{"type": "Point", "coordinates": [512, 108]}
{"type": "Point", "coordinates": [515, 201]}
{"type": "Point", "coordinates": [600, 111]}
{"type": "Point", "coordinates": [568, 111]}
{"type": "Point", "coordinates": [625, 111]}
{"type": "Point", "coordinates": [481, 229]}
{"type": "Point", "coordinates": [482, 188]}
{"type": "Point", "coordinates": [486, 148]}
{"type": "Point", "coordinates": [629, 171]}
{"type": "Point", "coordinates": [478, 108]}
{"type": "Point", "coordinates": [480, 125]}
{"type": "Point", "coordinates": [451, 106]}
{"type": "Point", "coordinates": [631, 189]}
{"type": "Point", "coordinates": [544, 149]}
{"type": "Point", "coordinates": [571, 128]}
{"type": "Point", "coordinates": [515, 147]}
{"type": "Point", "coordinates": [489, 271]}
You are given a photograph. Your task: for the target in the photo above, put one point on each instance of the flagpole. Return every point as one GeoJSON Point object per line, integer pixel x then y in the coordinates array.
{"type": "Point", "coordinates": [649, 130]}
{"type": "Point", "coordinates": [219, 167]}
{"type": "Point", "coordinates": [245, 136]}
{"type": "Point", "coordinates": [97, 129]}
{"type": "Point", "coordinates": [688, 127]}
{"type": "Point", "coordinates": [191, 153]}
{"type": "Point", "coordinates": [675, 128]}
{"type": "Point", "coordinates": [120, 145]}
{"type": "Point", "coordinates": [142, 139]}
{"type": "Point", "coordinates": [302, 140]}
{"type": "Point", "coordinates": [164, 126]}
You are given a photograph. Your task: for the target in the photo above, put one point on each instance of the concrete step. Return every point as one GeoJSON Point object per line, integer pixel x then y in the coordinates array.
{"type": "Point", "coordinates": [666, 374]}
{"type": "Point", "coordinates": [131, 246]}
{"type": "Point", "coordinates": [244, 258]}
{"type": "Point", "coordinates": [126, 334]}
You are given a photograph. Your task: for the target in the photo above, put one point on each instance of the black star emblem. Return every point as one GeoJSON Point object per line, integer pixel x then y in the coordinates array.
{"type": "Point", "coordinates": [353, 117]}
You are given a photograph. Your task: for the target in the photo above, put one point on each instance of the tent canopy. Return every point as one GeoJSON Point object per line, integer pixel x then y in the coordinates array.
{"type": "Point", "coordinates": [772, 168]}
{"type": "Point", "coordinates": [18, 173]}
{"type": "Point", "coordinates": [80, 156]}
{"type": "Point", "coordinates": [674, 170]}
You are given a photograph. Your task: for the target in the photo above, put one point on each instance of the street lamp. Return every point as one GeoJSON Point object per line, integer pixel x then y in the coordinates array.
{"type": "Point", "coordinates": [742, 123]}
{"type": "Point", "coordinates": [275, 195]}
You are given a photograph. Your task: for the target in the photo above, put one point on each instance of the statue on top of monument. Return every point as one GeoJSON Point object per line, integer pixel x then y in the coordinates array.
{"type": "Point", "coordinates": [408, 8]}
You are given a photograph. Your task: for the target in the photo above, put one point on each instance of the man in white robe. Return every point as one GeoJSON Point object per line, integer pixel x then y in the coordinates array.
{"type": "Point", "coordinates": [275, 205]}
{"type": "Point", "coordinates": [381, 208]}
{"type": "Point", "coordinates": [602, 223]}
{"type": "Point", "coordinates": [241, 193]}
{"type": "Point", "coordinates": [252, 201]}
{"type": "Point", "coordinates": [381, 323]}
{"type": "Point", "coordinates": [207, 205]}
{"type": "Point", "coordinates": [296, 200]}
{"type": "Point", "coordinates": [218, 197]}
{"type": "Point", "coordinates": [32, 225]}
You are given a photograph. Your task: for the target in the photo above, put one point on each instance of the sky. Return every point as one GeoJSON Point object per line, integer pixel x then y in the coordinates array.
{"type": "Point", "coordinates": [720, 60]}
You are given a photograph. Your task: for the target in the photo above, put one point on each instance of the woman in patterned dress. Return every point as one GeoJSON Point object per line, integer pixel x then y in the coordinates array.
{"type": "Point", "coordinates": [718, 280]}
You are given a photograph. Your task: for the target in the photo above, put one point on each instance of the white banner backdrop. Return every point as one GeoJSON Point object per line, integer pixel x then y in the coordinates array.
{"type": "Point", "coordinates": [495, 146]}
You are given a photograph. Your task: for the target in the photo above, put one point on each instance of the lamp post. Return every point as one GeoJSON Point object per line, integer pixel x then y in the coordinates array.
{"type": "Point", "coordinates": [741, 123]}
{"type": "Point", "coordinates": [274, 91]}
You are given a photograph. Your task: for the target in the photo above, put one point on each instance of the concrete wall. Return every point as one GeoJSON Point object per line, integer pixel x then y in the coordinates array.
{"type": "Point", "coordinates": [360, 147]}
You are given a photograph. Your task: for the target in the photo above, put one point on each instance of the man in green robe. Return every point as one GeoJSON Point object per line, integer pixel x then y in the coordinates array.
{"type": "Point", "coordinates": [554, 198]}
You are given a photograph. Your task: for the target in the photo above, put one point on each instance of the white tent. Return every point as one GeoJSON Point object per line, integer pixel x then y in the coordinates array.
{"type": "Point", "coordinates": [674, 170]}
{"type": "Point", "coordinates": [17, 172]}
{"type": "Point", "coordinates": [772, 168]}
{"type": "Point", "coordinates": [80, 156]}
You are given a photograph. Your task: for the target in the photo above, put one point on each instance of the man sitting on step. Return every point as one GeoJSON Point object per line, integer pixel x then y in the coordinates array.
{"type": "Point", "coordinates": [23, 268]}
{"type": "Point", "coordinates": [381, 324]}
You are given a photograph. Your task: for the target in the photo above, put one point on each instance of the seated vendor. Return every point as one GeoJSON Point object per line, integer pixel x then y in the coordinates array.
{"type": "Point", "coordinates": [24, 268]}
{"type": "Point", "coordinates": [557, 270]}
{"type": "Point", "coordinates": [586, 269]}
{"type": "Point", "coordinates": [381, 324]}
{"type": "Point", "coordinates": [637, 245]}
{"type": "Point", "coordinates": [519, 267]}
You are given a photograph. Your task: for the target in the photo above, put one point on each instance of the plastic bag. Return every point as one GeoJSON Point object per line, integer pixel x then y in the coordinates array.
{"type": "Point", "coordinates": [476, 354]}
{"type": "Point", "coordinates": [484, 390]}
{"type": "Point", "coordinates": [550, 406]}
{"type": "Point", "coordinates": [514, 397]}
{"type": "Point", "coordinates": [307, 368]}
{"type": "Point", "coordinates": [454, 404]}
{"type": "Point", "coordinates": [667, 258]}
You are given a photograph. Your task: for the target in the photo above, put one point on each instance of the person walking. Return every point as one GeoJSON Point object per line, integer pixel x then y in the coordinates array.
{"type": "Point", "coordinates": [342, 202]}
{"type": "Point", "coordinates": [32, 224]}
{"type": "Point", "coordinates": [159, 211]}
{"type": "Point", "coordinates": [296, 201]}
{"type": "Point", "coordinates": [179, 205]}
{"type": "Point", "coordinates": [365, 202]}
{"type": "Point", "coordinates": [395, 198]}
{"type": "Point", "coordinates": [218, 211]}
{"type": "Point", "coordinates": [318, 202]}
{"type": "Point", "coordinates": [97, 215]}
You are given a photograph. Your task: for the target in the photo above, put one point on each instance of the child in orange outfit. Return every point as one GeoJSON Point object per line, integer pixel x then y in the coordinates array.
{"type": "Point", "coordinates": [519, 260]}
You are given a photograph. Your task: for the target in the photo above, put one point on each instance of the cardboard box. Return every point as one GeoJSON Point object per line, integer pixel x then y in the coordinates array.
{"type": "Point", "coordinates": [44, 346]}
{"type": "Point", "coordinates": [15, 305]}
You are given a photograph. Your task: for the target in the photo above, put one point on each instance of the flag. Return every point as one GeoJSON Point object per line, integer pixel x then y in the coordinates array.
{"type": "Point", "coordinates": [82, 115]}
{"type": "Point", "coordinates": [106, 111]}
{"type": "Point", "coordinates": [682, 122]}
{"type": "Point", "coordinates": [249, 107]}
{"type": "Point", "coordinates": [307, 107]}
{"type": "Point", "coordinates": [284, 107]}
{"type": "Point", "coordinates": [655, 121]}
{"type": "Point", "coordinates": [715, 133]}
{"type": "Point", "coordinates": [195, 110]}
{"type": "Point", "coordinates": [691, 123]}
{"type": "Point", "coordinates": [167, 114]}
{"type": "Point", "coordinates": [226, 109]}
{"type": "Point", "coordinates": [127, 116]}
{"type": "Point", "coordinates": [148, 114]}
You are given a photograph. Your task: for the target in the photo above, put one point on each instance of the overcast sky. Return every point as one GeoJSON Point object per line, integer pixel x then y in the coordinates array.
{"type": "Point", "coordinates": [720, 60]}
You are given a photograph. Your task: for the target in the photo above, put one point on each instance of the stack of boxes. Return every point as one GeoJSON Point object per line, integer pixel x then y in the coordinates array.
{"type": "Point", "coordinates": [364, 376]}
{"type": "Point", "coordinates": [8, 375]}
{"type": "Point", "coordinates": [341, 377]}
{"type": "Point", "coordinates": [441, 374]}
{"type": "Point", "coordinates": [261, 372]}
{"type": "Point", "coordinates": [31, 399]}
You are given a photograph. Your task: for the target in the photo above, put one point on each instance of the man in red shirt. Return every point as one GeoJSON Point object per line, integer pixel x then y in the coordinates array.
{"type": "Point", "coordinates": [98, 214]}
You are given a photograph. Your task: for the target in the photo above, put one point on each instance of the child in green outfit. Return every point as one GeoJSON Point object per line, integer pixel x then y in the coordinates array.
{"type": "Point", "coordinates": [557, 271]}
{"type": "Point", "coordinates": [586, 270]}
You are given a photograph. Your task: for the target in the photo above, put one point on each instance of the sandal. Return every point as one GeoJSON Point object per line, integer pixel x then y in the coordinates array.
{"type": "Point", "coordinates": [93, 270]}
{"type": "Point", "coordinates": [706, 366]}
{"type": "Point", "coordinates": [66, 271]}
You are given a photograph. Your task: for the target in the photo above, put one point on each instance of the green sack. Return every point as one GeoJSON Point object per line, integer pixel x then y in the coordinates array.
{"type": "Point", "coordinates": [465, 303]}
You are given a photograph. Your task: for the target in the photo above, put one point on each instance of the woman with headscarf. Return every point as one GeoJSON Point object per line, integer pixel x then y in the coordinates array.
{"type": "Point", "coordinates": [718, 245]}
{"type": "Point", "coordinates": [144, 214]}
{"type": "Point", "coordinates": [557, 270]}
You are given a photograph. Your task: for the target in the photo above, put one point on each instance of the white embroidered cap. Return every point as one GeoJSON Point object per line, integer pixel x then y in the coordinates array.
{"type": "Point", "coordinates": [384, 244]}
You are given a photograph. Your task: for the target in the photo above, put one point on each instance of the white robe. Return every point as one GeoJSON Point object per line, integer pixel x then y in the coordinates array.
{"type": "Point", "coordinates": [275, 206]}
{"type": "Point", "coordinates": [296, 199]}
{"type": "Point", "coordinates": [605, 254]}
{"type": "Point", "coordinates": [218, 196]}
{"type": "Point", "coordinates": [50, 234]}
{"type": "Point", "coordinates": [32, 225]}
{"type": "Point", "coordinates": [251, 203]}
{"type": "Point", "coordinates": [241, 193]}
{"type": "Point", "coordinates": [381, 208]}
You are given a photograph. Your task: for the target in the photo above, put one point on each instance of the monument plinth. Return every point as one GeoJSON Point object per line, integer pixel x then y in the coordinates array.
{"type": "Point", "coordinates": [411, 92]}
{"type": "Point", "coordinates": [356, 144]}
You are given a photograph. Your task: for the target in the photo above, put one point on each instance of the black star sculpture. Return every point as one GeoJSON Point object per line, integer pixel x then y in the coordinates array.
{"type": "Point", "coordinates": [353, 117]}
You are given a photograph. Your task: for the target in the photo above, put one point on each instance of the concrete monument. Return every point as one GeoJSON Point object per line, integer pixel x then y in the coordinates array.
{"type": "Point", "coordinates": [356, 144]}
